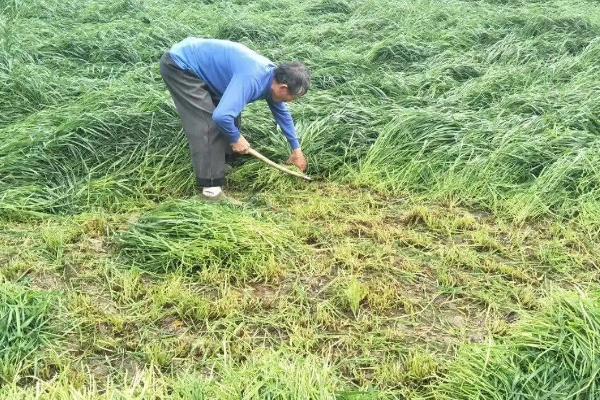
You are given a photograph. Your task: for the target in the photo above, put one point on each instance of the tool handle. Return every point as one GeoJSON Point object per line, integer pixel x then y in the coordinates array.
{"type": "Point", "coordinates": [264, 159]}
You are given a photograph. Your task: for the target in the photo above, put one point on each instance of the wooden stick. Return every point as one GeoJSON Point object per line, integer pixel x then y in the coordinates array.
{"type": "Point", "coordinates": [275, 165]}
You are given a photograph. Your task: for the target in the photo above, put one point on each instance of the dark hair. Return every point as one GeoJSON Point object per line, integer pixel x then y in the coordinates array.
{"type": "Point", "coordinates": [295, 75]}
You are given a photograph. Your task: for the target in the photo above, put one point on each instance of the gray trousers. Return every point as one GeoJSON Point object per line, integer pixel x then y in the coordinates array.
{"type": "Point", "coordinates": [195, 105]}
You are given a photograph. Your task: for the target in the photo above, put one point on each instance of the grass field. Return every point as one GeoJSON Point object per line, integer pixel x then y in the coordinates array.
{"type": "Point", "coordinates": [448, 248]}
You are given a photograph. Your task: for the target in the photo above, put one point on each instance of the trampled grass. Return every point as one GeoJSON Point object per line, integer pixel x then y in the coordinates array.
{"type": "Point", "coordinates": [454, 147]}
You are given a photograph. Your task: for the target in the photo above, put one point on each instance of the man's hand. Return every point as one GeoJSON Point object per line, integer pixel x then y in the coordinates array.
{"type": "Point", "coordinates": [241, 146]}
{"type": "Point", "coordinates": [297, 158]}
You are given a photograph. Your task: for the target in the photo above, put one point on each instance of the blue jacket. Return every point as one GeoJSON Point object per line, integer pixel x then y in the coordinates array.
{"type": "Point", "coordinates": [237, 74]}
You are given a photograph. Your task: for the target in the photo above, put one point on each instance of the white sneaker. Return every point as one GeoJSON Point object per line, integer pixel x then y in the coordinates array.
{"type": "Point", "coordinates": [212, 192]}
{"type": "Point", "coordinates": [216, 195]}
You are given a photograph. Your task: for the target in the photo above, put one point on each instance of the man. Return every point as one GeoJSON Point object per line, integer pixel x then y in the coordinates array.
{"type": "Point", "coordinates": [211, 82]}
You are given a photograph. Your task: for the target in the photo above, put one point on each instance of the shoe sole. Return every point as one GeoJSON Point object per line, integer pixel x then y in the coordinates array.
{"type": "Point", "coordinates": [221, 198]}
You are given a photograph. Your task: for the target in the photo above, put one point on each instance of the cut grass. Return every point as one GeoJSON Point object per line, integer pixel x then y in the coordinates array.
{"type": "Point", "coordinates": [383, 310]}
{"type": "Point", "coordinates": [194, 235]}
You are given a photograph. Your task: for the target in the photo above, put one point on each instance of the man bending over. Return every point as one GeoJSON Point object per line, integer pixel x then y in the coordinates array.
{"type": "Point", "coordinates": [211, 82]}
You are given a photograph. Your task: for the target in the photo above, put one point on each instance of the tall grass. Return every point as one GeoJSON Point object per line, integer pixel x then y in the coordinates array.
{"type": "Point", "coordinates": [550, 356]}
{"type": "Point", "coordinates": [487, 105]}
{"type": "Point", "coordinates": [105, 148]}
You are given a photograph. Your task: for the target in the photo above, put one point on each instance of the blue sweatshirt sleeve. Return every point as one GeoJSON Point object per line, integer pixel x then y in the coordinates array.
{"type": "Point", "coordinates": [283, 117]}
{"type": "Point", "coordinates": [237, 95]}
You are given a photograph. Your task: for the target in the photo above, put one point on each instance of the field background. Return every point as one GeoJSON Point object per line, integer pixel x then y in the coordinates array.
{"type": "Point", "coordinates": [448, 248]}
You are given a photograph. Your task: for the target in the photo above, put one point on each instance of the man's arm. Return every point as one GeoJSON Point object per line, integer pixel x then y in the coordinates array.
{"type": "Point", "coordinates": [284, 120]}
{"type": "Point", "coordinates": [232, 103]}
{"type": "Point", "coordinates": [283, 117]}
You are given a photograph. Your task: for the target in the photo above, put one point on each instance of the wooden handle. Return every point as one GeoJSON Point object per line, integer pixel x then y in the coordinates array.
{"type": "Point", "coordinates": [277, 166]}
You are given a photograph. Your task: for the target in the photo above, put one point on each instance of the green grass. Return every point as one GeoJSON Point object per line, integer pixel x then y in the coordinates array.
{"type": "Point", "coordinates": [465, 103]}
{"type": "Point", "coordinates": [27, 326]}
{"type": "Point", "coordinates": [193, 236]}
{"type": "Point", "coordinates": [553, 356]}
{"type": "Point", "coordinates": [454, 147]}
{"type": "Point", "coordinates": [381, 296]}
